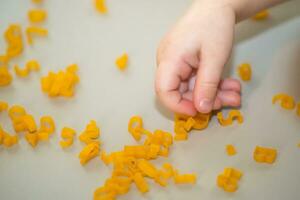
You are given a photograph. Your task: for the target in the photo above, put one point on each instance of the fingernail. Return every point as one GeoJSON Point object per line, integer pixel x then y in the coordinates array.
{"type": "Point", "coordinates": [205, 106]}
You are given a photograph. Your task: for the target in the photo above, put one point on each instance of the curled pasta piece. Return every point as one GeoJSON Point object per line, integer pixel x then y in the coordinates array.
{"type": "Point", "coordinates": [16, 111]}
{"type": "Point", "coordinates": [90, 134]}
{"type": "Point", "coordinates": [37, 15]}
{"type": "Point", "coordinates": [245, 72]}
{"type": "Point", "coordinates": [33, 30]}
{"type": "Point", "coordinates": [13, 37]}
{"type": "Point", "coordinates": [233, 114]}
{"type": "Point", "coordinates": [100, 6]}
{"type": "Point", "coordinates": [68, 135]}
{"type": "Point", "coordinates": [287, 102]}
{"type": "Point", "coordinates": [135, 127]}
{"type": "Point", "coordinates": [21, 72]}
{"type": "Point", "coordinates": [31, 65]}
{"type": "Point", "coordinates": [47, 124]}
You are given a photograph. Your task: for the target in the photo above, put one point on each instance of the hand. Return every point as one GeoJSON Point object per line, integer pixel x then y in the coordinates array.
{"type": "Point", "coordinates": [191, 59]}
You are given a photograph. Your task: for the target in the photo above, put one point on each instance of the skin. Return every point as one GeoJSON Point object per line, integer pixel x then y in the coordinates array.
{"type": "Point", "coordinates": [192, 55]}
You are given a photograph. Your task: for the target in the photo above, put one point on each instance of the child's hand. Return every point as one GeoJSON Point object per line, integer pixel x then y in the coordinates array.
{"type": "Point", "coordinates": [191, 59]}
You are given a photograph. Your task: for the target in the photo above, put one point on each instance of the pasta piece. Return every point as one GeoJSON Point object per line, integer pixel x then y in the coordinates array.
{"type": "Point", "coordinates": [228, 180]}
{"type": "Point", "coordinates": [230, 149]}
{"type": "Point", "coordinates": [16, 111]}
{"type": "Point", "coordinates": [90, 134]}
{"type": "Point", "coordinates": [5, 76]}
{"type": "Point", "coordinates": [3, 106]}
{"type": "Point", "coordinates": [188, 125]}
{"type": "Point", "coordinates": [262, 15]}
{"type": "Point", "coordinates": [33, 65]}
{"type": "Point", "coordinates": [140, 182]}
{"type": "Point", "coordinates": [135, 127]}
{"type": "Point", "coordinates": [89, 152]}
{"type": "Point", "coordinates": [32, 139]}
{"type": "Point", "coordinates": [201, 121]}
{"type": "Point", "coordinates": [47, 124]}
{"type": "Point", "coordinates": [37, 15]}
{"type": "Point", "coordinates": [245, 72]}
{"type": "Point", "coordinates": [29, 123]}
{"type": "Point", "coordinates": [6, 139]}
{"type": "Point", "coordinates": [21, 72]}
{"type": "Point", "coordinates": [185, 179]}
{"type": "Point", "coordinates": [35, 31]}
{"type": "Point", "coordinates": [287, 102]}
{"type": "Point", "coordinates": [298, 109]}
{"type": "Point", "coordinates": [100, 6]}
{"type": "Point", "coordinates": [264, 155]}
{"type": "Point", "coordinates": [68, 135]}
{"type": "Point", "coordinates": [121, 61]}
{"type": "Point", "coordinates": [147, 168]}
{"type": "Point", "coordinates": [13, 37]}
{"type": "Point", "coordinates": [233, 114]}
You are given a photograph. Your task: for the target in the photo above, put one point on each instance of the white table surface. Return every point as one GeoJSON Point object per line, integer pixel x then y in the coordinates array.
{"type": "Point", "coordinates": [78, 34]}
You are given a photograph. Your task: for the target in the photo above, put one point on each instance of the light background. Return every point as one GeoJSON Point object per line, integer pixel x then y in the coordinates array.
{"type": "Point", "coordinates": [78, 34]}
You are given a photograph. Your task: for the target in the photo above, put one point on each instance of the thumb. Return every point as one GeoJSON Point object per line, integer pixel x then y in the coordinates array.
{"type": "Point", "coordinates": [207, 79]}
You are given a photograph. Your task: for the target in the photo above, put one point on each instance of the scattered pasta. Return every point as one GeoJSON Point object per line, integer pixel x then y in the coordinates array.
{"type": "Point", "coordinates": [122, 61]}
{"type": "Point", "coordinates": [245, 72]}
{"type": "Point", "coordinates": [37, 15]}
{"type": "Point", "coordinates": [233, 114]}
{"type": "Point", "coordinates": [228, 180]}
{"type": "Point", "coordinates": [287, 102]}
{"type": "Point", "coordinates": [61, 83]}
{"type": "Point", "coordinates": [133, 164]}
